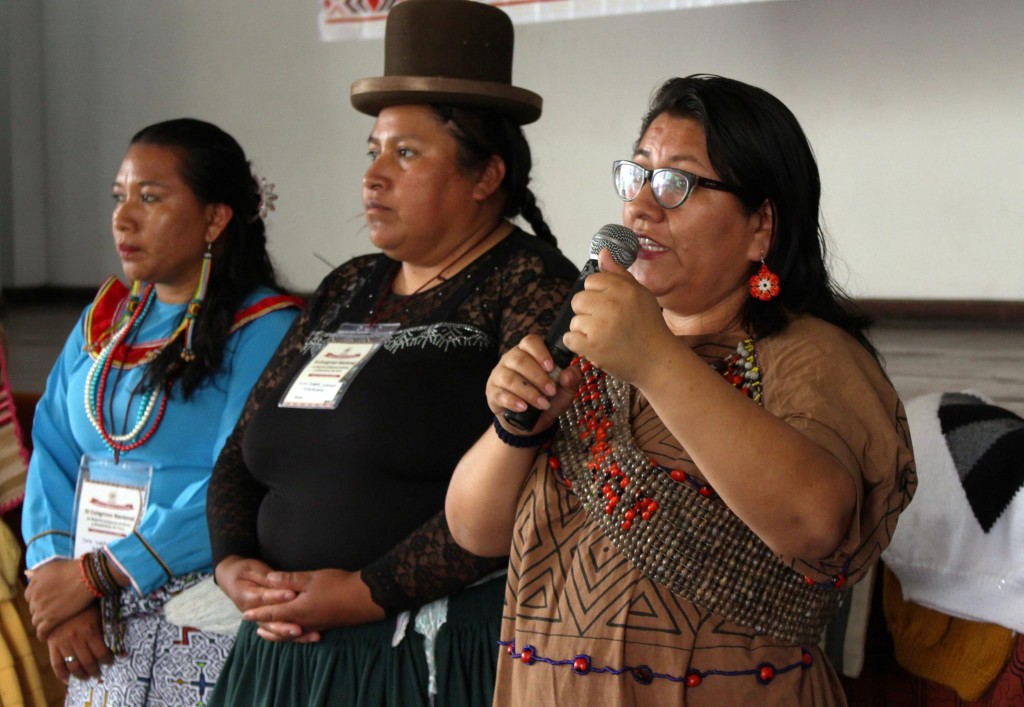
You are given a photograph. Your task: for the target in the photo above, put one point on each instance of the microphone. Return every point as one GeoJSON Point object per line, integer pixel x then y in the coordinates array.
{"type": "Point", "coordinates": [623, 246]}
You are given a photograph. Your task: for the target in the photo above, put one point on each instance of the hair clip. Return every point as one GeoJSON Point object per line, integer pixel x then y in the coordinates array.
{"type": "Point", "coordinates": [265, 190]}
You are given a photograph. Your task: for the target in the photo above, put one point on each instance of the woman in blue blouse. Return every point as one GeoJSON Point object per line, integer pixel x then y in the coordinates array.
{"type": "Point", "coordinates": [156, 373]}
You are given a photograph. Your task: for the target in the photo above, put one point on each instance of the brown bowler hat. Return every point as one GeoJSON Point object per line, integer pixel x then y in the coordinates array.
{"type": "Point", "coordinates": [451, 52]}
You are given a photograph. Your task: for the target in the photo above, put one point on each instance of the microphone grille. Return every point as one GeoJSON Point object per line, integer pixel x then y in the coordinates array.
{"type": "Point", "coordinates": [620, 241]}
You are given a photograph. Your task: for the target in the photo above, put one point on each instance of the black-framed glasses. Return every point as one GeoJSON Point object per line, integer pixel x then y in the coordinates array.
{"type": "Point", "coordinates": [671, 187]}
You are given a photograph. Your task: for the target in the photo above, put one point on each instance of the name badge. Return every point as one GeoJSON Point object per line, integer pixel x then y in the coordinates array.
{"type": "Point", "coordinates": [322, 382]}
{"type": "Point", "coordinates": [109, 501]}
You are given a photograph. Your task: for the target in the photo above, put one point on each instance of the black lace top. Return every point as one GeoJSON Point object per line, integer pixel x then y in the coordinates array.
{"type": "Point", "coordinates": [362, 487]}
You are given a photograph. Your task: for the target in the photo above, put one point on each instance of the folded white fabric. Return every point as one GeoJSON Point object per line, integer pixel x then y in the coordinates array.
{"type": "Point", "coordinates": [206, 607]}
{"type": "Point", "coordinates": [959, 547]}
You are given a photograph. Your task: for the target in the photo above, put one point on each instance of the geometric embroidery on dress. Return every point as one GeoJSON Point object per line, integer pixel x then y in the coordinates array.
{"type": "Point", "coordinates": [536, 580]}
{"type": "Point", "coordinates": [599, 603]}
{"type": "Point", "coordinates": [185, 632]}
{"type": "Point", "coordinates": [202, 685]}
{"type": "Point", "coordinates": [541, 573]}
{"type": "Point", "coordinates": [646, 613]}
{"type": "Point", "coordinates": [166, 665]}
{"type": "Point", "coordinates": [537, 600]}
{"type": "Point", "coordinates": [601, 590]}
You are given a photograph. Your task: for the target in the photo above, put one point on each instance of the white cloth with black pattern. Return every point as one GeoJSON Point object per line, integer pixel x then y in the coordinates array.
{"type": "Point", "coordinates": [959, 546]}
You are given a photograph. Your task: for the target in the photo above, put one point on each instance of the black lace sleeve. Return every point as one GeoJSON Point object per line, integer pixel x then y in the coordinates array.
{"type": "Point", "coordinates": [429, 564]}
{"type": "Point", "coordinates": [532, 294]}
{"type": "Point", "coordinates": [234, 496]}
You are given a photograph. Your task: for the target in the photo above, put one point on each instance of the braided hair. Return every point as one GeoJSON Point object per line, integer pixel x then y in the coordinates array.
{"type": "Point", "coordinates": [482, 133]}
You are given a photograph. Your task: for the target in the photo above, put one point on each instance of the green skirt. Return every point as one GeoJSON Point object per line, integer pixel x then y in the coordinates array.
{"type": "Point", "coordinates": [358, 667]}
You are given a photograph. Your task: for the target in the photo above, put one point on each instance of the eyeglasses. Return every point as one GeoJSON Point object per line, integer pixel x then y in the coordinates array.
{"type": "Point", "coordinates": [671, 187]}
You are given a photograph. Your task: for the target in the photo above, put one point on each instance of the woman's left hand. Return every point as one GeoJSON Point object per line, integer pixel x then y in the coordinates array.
{"type": "Point", "coordinates": [55, 593]}
{"type": "Point", "coordinates": [324, 599]}
{"type": "Point", "coordinates": [614, 315]}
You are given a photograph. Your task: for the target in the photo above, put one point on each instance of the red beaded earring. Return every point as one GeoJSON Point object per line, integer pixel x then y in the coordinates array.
{"type": "Point", "coordinates": [765, 284]}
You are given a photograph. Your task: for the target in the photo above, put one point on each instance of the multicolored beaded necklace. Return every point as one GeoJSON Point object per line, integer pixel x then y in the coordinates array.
{"type": "Point", "coordinates": [135, 313]}
{"type": "Point", "coordinates": [99, 374]}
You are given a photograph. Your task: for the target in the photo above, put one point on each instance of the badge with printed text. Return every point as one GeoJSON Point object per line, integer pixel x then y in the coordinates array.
{"type": "Point", "coordinates": [109, 501]}
{"type": "Point", "coordinates": [322, 382]}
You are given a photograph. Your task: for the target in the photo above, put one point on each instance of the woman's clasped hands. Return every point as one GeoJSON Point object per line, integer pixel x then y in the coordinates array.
{"type": "Point", "coordinates": [55, 593]}
{"type": "Point", "coordinates": [65, 619]}
{"type": "Point", "coordinates": [295, 606]}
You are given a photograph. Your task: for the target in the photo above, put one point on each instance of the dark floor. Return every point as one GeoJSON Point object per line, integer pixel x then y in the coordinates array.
{"type": "Point", "coordinates": [920, 358]}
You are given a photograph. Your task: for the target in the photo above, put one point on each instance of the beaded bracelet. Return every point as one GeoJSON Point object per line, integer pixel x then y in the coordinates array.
{"type": "Point", "coordinates": [523, 441]}
{"type": "Point", "coordinates": [83, 566]}
{"type": "Point", "coordinates": [101, 574]}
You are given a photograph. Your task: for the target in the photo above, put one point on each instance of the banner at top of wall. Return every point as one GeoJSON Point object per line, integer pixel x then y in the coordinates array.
{"type": "Point", "coordinates": [364, 19]}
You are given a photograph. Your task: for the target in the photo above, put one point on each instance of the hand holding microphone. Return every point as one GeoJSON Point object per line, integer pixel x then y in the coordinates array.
{"type": "Point", "coordinates": [622, 245]}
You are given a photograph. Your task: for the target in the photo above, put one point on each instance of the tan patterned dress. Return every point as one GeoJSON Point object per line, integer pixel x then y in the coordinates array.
{"type": "Point", "coordinates": [589, 616]}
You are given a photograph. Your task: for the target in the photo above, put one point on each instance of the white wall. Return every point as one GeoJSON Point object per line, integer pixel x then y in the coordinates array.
{"type": "Point", "coordinates": [25, 245]}
{"type": "Point", "coordinates": [915, 109]}
{"type": "Point", "coordinates": [5, 144]}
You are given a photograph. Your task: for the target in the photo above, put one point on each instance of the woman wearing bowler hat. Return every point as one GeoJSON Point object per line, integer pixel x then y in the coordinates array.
{"type": "Point", "coordinates": [326, 506]}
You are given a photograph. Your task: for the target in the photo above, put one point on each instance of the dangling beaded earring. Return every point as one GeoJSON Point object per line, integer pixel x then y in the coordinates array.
{"type": "Point", "coordinates": [196, 305]}
{"type": "Point", "coordinates": [765, 284]}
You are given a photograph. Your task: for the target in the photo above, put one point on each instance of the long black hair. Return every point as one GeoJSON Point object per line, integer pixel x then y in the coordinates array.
{"type": "Point", "coordinates": [480, 134]}
{"type": "Point", "coordinates": [754, 141]}
{"type": "Point", "coordinates": [214, 167]}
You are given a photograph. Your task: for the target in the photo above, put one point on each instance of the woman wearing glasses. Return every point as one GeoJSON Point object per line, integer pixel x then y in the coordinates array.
{"type": "Point", "coordinates": [706, 500]}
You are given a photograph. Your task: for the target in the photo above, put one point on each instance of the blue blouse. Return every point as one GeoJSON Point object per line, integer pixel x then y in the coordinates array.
{"type": "Point", "coordinates": [172, 539]}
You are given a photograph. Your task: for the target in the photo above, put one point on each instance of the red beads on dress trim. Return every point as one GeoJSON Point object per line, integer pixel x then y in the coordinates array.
{"type": "Point", "coordinates": [765, 673]}
{"type": "Point", "coordinates": [582, 665]}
